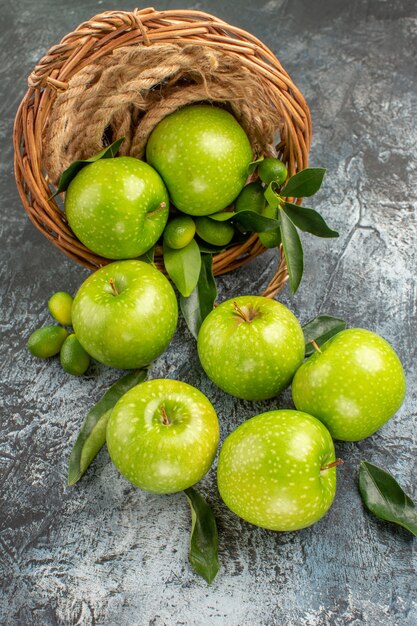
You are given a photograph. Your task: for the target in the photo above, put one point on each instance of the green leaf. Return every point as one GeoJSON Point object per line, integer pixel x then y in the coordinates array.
{"type": "Point", "coordinates": [92, 435]}
{"type": "Point", "coordinates": [308, 220]}
{"type": "Point", "coordinates": [320, 329]}
{"type": "Point", "coordinates": [201, 301]}
{"type": "Point", "coordinates": [305, 183]}
{"type": "Point", "coordinates": [183, 266]}
{"type": "Point", "coordinates": [149, 256]}
{"type": "Point", "coordinates": [272, 198]}
{"type": "Point", "coordinates": [250, 220]}
{"type": "Point", "coordinates": [92, 446]}
{"type": "Point", "coordinates": [223, 216]}
{"type": "Point", "coordinates": [73, 169]}
{"type": "Point", "coordinates": [385, 498]}
{"type": "Point", "coordinates": [241, 235]}
{"type": "Point", "coordinates": [203, 554]}
{"type": "Point", "coordinates": [293, 251]}
{"type": "Point", "coordinates": [208, 248]}
{"type": "Point", "coordinates": [254, 165]}
{"type": "Point", "coordinates": [271, 239]}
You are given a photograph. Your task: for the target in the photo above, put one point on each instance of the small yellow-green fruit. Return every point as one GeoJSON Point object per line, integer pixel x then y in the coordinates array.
{"type": "Point", "coordinates": [271, 169]}
{"type": "Point", "coordinates": [251, 198]}
{"type": "Point", "coordinates": [179, 232]}
{"type": "Point", "coordinates": [214, 232]}
{"type": "Point", "coordinates": [74, 359]}
{"type": "Point", "coordinates": [270, 238]}
{"type": "Point", "coordinates": [59, 306]}
{"type": "Point", "coordinates": [47, 341]}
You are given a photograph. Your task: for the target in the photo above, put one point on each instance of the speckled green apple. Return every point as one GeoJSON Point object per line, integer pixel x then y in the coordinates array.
{"type": "Point", "coordinates": [274, 472]}
{"type": "Point", "coordinates": [202, 153]}
{"type": "Point", "coordinates": [353, 385]}
{"type": "Point", "coordinates": [251, 346]}
{"type": "Point", "coordinates": [125, 314]}
{"type": "Point", "coordinates": [163, 435]}
{"type": "Point", "coordinates": [117, 207]}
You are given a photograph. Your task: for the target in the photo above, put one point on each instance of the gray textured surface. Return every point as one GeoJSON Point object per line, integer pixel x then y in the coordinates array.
{"type": "Point", "coordinates": [106, 553]}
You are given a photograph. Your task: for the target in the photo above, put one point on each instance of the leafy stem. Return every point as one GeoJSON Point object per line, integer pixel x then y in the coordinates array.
{"type": "Point", "coordinates": [92, 435]}
{"type": "Point", "coordinates": [203, 551]}
{"type": "Point", "coordinates": [385, 498]}
{"type": "Point", "coordinates": [294, 217]}
{"type": "Point", "coordinates": [72, 170]}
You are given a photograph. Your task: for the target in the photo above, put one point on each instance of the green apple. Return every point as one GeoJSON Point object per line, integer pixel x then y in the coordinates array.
{"type": "Point", "coordinates": [163, 435]}
{"type": "Point", "coordinates": [202, 153]}
{"type": "Point", "coordinates": [251, 347]}
{"type": "Point", "coordinates": [353, 384]}
{"type": "Point", "coordinates": [125, 314]}
{"type": "Point", "coordinates": [277, 470]}
{"type": "Point", "coordinates": [117, 207]}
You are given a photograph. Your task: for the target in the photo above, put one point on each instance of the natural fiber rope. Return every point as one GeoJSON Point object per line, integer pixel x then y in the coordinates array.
{"type": "Point", "coordinates": [158, 80]}
{"type": "Point", "coordinates": [119, 74]}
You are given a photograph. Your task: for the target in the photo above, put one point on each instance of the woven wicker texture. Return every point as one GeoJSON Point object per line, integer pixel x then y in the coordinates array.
{"type": "Point", "coordinates": [119, 74]}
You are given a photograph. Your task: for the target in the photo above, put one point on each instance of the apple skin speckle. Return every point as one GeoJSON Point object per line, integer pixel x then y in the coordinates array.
{"type": "Point", "coordinates": [131, 329]}
{"type": "Point", "coordinates": [353, 386]}
{"type": "Point", "coordinates": [269, 470]}
{"type": "Point", "coordinates": [158, 457]}
{"type": "Point", "coordinates": [202, 154]}
{"type": "Point", "coordinates": [114, 207]}
{"type": "Point", "coordinates": [252, 360]}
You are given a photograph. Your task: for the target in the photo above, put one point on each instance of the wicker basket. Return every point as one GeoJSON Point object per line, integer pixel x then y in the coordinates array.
{"type": "Point", "coordinates": [119, 74]}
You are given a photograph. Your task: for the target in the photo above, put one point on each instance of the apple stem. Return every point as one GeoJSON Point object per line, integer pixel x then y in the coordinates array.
{"type": "Point", "coordinates": [315, 346]}
{"type": "Point", "coordinates": [113, 286]}
{"type": "Point", "coordinates": [165, 419]}
{"type": "Point", "coordinates": [161, 206]}
{"type": "Point", "coordinates": [240, 312]}
{"type": "Point", "coordinates": [332, 464]}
